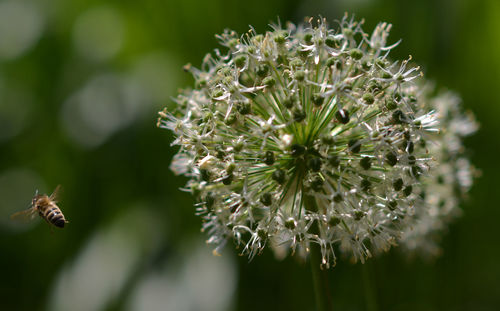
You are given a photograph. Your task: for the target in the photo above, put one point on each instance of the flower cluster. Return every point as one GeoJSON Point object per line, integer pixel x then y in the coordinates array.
{"type": "Point", "coordinates": [308, 134]}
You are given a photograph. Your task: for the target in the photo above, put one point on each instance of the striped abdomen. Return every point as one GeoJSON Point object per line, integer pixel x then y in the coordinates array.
{"type": "Point", "coordinates": [49, 211]}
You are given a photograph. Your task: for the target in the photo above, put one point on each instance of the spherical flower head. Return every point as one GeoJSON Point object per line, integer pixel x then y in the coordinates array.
{"type": "Point", "coordinates": [307, 134]}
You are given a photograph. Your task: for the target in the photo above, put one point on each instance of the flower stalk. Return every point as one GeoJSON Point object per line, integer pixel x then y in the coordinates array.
{"type": "Point", "coordinates": [319, 273]}
{"type": "Point", "coordinates": [368, 284]}
{"type": "Point", "coordinates": [320, 281]}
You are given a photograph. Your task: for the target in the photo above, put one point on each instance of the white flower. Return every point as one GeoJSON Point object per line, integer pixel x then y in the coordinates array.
{"type": "Point", "coordinates": [312, 135]}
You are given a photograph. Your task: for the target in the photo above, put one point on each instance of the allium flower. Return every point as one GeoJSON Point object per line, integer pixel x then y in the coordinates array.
{"type": "Point", "coordinates": [308, 134]}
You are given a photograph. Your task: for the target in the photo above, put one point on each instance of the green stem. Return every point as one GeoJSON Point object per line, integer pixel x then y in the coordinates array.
{"type": "Point", "coordinates": [320, 280]}
{"type": "Point", "coordinates": [370, 297]}
{"type": "Point", "coordinates": [319, 275]}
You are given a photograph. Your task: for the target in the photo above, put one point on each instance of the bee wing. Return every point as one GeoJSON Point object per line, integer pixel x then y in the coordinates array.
{"type": "Point", "coordinates": [24, 216]}
{"type": "Point", "coordinates": [53, 196]}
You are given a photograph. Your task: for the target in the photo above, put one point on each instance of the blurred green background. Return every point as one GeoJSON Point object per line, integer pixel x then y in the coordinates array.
{"type": "Point", "coordinates": [80, 85]}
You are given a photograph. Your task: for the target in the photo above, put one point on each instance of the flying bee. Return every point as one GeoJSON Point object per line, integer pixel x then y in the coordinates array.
{"type": "Point", "coordinates": [46, 207]}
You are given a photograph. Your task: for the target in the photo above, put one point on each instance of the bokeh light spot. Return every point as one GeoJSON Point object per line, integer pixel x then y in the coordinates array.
{"type": "Point", "coordinates": [198, 281]}
{"type": "Point", "coordinates": [105, 263]}
{"type": "Point", "coordinates": [21, 24]}
{"type": "Point", "coordinates": [98, 33]}
{"type": "Point", "coordinates": [158, 74]}
{"type": "Point", "coordinates": [107, 103]}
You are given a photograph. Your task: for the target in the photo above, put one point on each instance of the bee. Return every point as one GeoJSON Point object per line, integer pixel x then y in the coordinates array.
{"type": "Point", "coordinates": [46, 207]}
